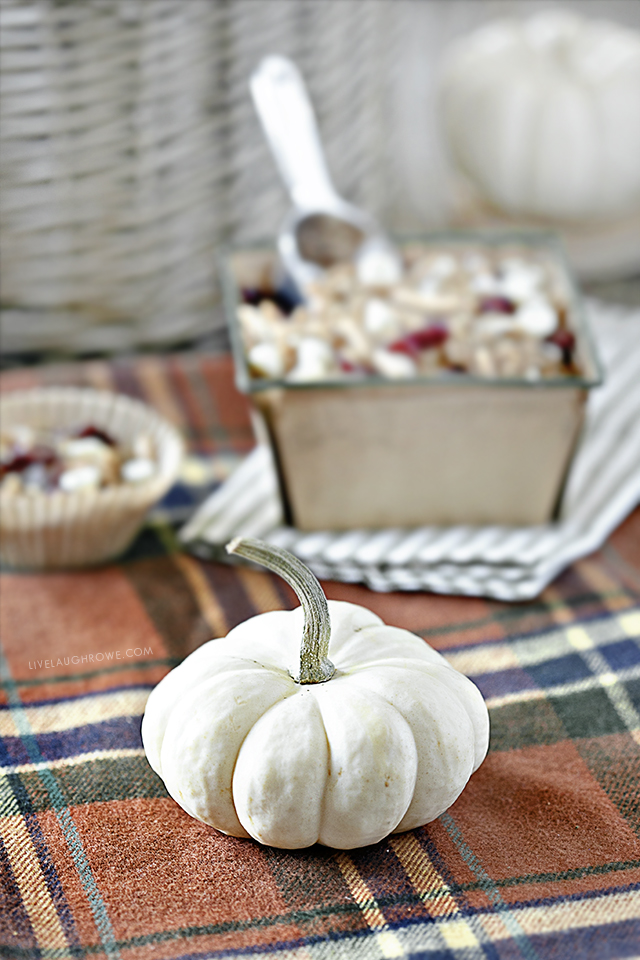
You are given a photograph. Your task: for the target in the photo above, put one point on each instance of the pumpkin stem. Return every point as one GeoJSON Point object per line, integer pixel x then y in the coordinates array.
{"type": "Point", "coordinates": [315, 666]}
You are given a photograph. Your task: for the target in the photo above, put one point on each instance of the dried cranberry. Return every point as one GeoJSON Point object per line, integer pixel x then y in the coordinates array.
{"type": "Point", "coordinates": [347, 367]}
{"type": "Point", "coordinates": [566, 341]}
{"type": "Point", "coordinates": [253, 296]}
{"type": "Point", "coordinates": [16, 464]}
{"type": "Point", "coordinates": [404, 345]}
{"type": "Point", "coordinates": [91, 431]}
{"type": "Point", "coordinates": [40, 454]}
{"type": "Point", "coordinates": [425, 339]}
{"type": "Point", "coordinates": [432, 336]}
{"type": "Point", "coordinates": [497, 304]}
{"type": "Point", "coordinates": [358, 369]}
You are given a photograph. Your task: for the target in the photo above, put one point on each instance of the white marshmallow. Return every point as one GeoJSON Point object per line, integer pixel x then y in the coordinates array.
{"type": "Point", "coordinates": [380, 319]}
{"type": "Point", "coordinates": [397, 366]}
{"type": "Point", "coordinates": [377, 267]}
{"type": "Point", "coordinates": [266, 359]}
{"type": "Point", "coordinates": [86, 477]}
{"type": "Point", "coordinates": [254, 323]}
{"type": "Point", "coordinates": [137, 469]}
{"type": "Point", "coordinates": [521, 281]}
{"type": "Point", "coordinates": [315, 360]}
{"type": "Point", "coordinates": [537, 318]}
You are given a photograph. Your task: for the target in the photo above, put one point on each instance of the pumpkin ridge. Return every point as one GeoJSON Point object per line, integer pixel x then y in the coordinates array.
{"type": "Point", "coordinates": [241, 803]}
{"type": "Point", "coordinates": [375, 640]}
{"type": "Point", "coordinates": [268, 710]}
{"type": "Point", "coordinates": [171, 739]}
{"type": "Point", "coordinates": [400, 730]}
{"type": "Point", "coordinates": [422, 711]}
{"type": "Point", "coordinates": [174, 682]}
{"type": "Point", "coordinates": [448, 675]}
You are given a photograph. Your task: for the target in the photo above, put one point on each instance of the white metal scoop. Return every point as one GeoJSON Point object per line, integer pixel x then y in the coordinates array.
{"type": "Point", "coordinates": [322, 228]}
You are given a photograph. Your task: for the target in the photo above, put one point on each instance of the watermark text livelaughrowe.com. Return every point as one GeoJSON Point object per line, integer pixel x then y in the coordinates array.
{"type": "Point", "coordinates": [90, 658]}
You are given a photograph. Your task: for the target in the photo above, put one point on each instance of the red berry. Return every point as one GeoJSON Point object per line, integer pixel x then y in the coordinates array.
{"type": "Point", "coordinates": [563, 339]}
{"type": "Point", "coordinates": [358, 369]}
{"type": "Point", "coordinates": [432, 336]}
{"type": "Point", "coordinates": [566, 340]}
{"type": "Point", "coordinates": [252, 295]}
{"type": "Point", "coordinates": [425, 339]}
{"type": "Point", "coordinates": [21, 461]}
{"type": "Point", "coordinates": [347, 367]}
{"type": "Point", "coordinates": [497, 305]}
{"type": "Point", "coordinates": [404, 345]}
{"type": "Point", "coordinates": [91, 431]}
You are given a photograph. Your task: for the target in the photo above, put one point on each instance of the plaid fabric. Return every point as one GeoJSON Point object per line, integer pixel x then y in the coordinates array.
{"type": "Point", "coordinates": [539, 857]}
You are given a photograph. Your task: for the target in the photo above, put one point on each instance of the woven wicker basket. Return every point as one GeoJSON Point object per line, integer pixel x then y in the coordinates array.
{"type": "Point", "coordinates": [131, 149]}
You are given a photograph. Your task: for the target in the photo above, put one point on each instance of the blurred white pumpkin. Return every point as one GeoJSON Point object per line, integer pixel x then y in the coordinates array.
{"type": "Point", "coordinates": [543, 115]}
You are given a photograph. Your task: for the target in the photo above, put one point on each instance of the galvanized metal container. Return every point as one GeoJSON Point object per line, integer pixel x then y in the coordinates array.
{"type": "Point", "coordinates": [373, 453]}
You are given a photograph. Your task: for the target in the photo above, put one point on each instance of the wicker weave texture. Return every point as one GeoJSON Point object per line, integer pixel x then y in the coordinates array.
{"type": "Point", "coordinates": [131, 151]}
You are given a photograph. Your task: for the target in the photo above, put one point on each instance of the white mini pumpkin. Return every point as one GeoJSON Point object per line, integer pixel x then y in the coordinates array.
{"type": "Point", "coordinates": [543, 114]}
{"type": "Point", "coordinates": [382, 739]}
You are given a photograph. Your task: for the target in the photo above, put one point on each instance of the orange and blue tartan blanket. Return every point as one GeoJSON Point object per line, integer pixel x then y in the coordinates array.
{"type": "Point", "coordinates": [538, 859]}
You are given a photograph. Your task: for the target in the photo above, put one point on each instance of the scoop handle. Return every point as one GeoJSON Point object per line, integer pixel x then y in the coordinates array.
{"type": "Point", "coordinates": [289, 124]}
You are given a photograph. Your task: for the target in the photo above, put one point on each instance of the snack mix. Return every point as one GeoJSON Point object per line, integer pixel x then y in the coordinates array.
{"type": "Point", "coordinates": [489, 313]}
{"type": "Point", "coordinates": [84, 459]}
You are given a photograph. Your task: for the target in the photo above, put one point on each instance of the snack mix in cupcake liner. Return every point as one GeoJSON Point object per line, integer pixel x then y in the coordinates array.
{"type": "Point", "coordinates": [79, 470]}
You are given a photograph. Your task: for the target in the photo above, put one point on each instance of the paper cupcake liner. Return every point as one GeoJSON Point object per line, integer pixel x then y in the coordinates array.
{"type": "Point", "coordinates": [60, 529]}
